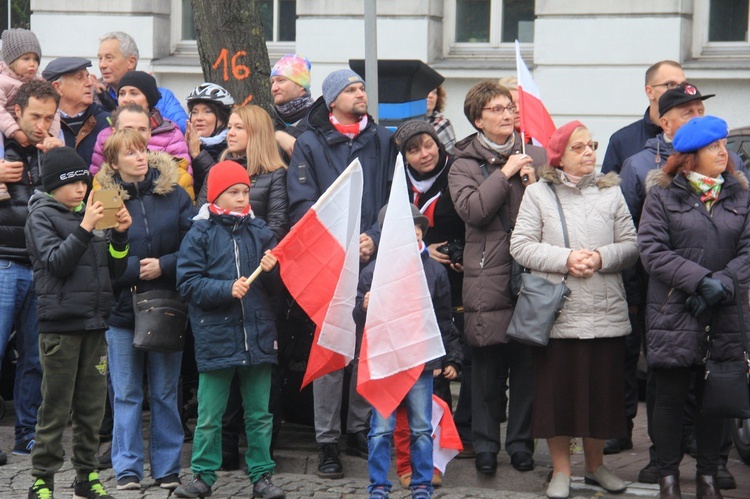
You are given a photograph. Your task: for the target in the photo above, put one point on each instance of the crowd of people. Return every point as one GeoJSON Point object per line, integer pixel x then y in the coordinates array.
{"type": "Point", "coordinates": [652, 249]}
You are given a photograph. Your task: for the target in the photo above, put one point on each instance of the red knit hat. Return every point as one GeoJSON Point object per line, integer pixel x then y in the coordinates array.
{"type": "Point", "coordinates": [559, 140]}
{"type": "Point", "coordinates": [223, 176]}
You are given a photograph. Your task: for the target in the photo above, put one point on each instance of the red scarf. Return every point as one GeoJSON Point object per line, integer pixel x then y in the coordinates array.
{"type": "Point", "coordinates": [350, 131]}
{"type": "Point", "coordinates": [217, 210]}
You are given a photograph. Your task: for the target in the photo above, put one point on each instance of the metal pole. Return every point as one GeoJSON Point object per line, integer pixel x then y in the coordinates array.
{"type": "Point", "coordinates": [371, 57]}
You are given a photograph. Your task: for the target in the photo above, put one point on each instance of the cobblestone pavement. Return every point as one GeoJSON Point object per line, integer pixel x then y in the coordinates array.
{"type": "Point", "coordinates": [296, 459]}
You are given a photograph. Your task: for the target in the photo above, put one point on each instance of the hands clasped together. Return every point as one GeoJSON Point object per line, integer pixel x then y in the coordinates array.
{"type": "Point", "coordinates": [583, 263]}
{"type": "Point", "coordinates": [710, 292]}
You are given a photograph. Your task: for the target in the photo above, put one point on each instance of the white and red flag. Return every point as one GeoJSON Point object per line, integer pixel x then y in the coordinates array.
{"type": "Point", "coordinates": [319, 264]}
{"type": "Point", "coordinates": [401, 332]}
{"type": "Point", "coordinates": [535, 120]}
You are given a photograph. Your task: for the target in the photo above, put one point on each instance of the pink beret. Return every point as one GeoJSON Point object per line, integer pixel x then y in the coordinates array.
{"type": "Point", "coordinates": [559, 140]}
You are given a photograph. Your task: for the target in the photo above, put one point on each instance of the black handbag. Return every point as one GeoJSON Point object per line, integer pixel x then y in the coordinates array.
{"type": "Point", "coordinates": [726, 385]}
{"type": "Point", "coordinates": [539, 301]}
{"type": "Point", "coordinates": [160, 321]}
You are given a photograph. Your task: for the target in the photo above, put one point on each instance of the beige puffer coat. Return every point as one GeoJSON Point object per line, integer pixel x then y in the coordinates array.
{"type": "Point", "coordinates": [598, 219]}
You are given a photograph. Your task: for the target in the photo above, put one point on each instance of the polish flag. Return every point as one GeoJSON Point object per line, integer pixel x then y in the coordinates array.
{"type": "Point", "coordinates": [319, 264]}
{"type": "Point", "coordinates": [401, 332]}
{"type": "Point", "coordinates": [535, 120]}
{"type": "Point", "coordinates": [446, 441]}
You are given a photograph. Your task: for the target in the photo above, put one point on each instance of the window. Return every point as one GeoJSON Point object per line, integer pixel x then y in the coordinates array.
{"type": "Point", "coordinates": [478, 26]}
{"type": "Point", "coordinates": [720, 29]}
{"type": "Point", "coordinates": [279, 18]}
{"type": "Point", "coordinates": [20, 14]}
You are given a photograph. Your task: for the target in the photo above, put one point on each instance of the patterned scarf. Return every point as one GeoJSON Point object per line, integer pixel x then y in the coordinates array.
{"type": "Point", "coordinates": [350, 131]}
{"type": "Point", "coordinates": [295, 109]}
{"type": "Point", "coordinates": [707, 187]}
{"type": "Point", "coordinates": [217, 210]}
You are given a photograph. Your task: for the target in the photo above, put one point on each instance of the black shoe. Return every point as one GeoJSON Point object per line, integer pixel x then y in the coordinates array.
{"type": "Point", "coordinates": [329, 465]}
{"type": "Point", "coordinates": [689, 444]}
{"type": "Point", "coordinates": [724, 478]}
{"type": "Point", "coordinates": [104, 459]}
{"type": "Point", "coordinates": [196, 488]}
{"type": "Point", "coordinates": [522, 461]}
{"type": "Point", "coordinates": [617, 445]}
{"type": "Point", "coordinates": [649, 474]}
{"type": "Point", "coordinates": [356, 444]}
{"type": "Point", "coordinates": [91, 488]}
{"type": "Point", "coordinates": [486, 462]}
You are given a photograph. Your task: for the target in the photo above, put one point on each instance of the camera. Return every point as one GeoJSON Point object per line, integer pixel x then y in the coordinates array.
{"type": "Point", "coordinates": [454, 250]}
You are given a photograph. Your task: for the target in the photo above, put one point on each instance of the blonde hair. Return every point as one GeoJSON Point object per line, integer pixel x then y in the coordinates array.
{"type": "Point", "coordinates": [262, 150]}
{"type": "Point", "coordinates": [509, 82]}
{"type": "Point", "coordinates": [120, 140]}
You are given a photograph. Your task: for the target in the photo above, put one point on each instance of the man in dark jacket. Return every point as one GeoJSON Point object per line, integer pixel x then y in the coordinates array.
{"type": "Point", "coordinates": [36, 104]}
{"type": "Point", "coordinates": [340, 130]}
{"type": "Point", "coordinates": [677, 106]}
{"type": "Point", "coordinates": [81, 119]}
{"type": "Point", "coordinates": [630, 140]}
{"type": "Point", "coordinates": [290, 89]}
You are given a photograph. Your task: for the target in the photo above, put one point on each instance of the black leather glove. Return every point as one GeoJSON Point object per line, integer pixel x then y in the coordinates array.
{"type": "Point", "coordinates": [696, 305]}
{"type": "Point", "coordinates": [713, 290]}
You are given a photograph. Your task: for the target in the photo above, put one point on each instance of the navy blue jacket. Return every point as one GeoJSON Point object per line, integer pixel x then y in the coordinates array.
{"type": "Point", "coordinates": [321, 153]}
{"type": "Point", "coordinates": [83, 140]}
{"type": "Point", "coordinates": [217, 251]}
{"type": "Point", "coordinates": [437, 282]}
{"type": "Point", "coordinates": [627, 141]}
{"type": "Point", "coordinates": [161, 211]}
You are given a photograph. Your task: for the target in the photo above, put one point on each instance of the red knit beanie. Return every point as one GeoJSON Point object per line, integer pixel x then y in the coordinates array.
{"type": "Point", "coordinates": [223, 176]}
{"type": "Point", "coordinates": [559, 140]}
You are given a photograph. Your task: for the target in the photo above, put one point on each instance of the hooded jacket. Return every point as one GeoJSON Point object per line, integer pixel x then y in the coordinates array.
{"type": "Point", "coordinates": [72, 267]}
{"type": "Point", "coordinates": [681, 242]}
{"type": "Point", "coordinates": [321, 154]}
{"type": "Point", "coordinates": [218, 250]}
{"type": "Point", "coordinates": [161, 212]}
{"type": "Point", "coordinates": [597, 219]}
{"type": "Point", "coordinates": [480, 201]}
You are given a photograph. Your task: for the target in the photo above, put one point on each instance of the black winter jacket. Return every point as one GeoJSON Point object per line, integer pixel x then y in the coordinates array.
{"type": "Point", "coordinates": [161, 211]}
{"type": "Point", "coordinates": [13, 213]}
{"type": "Point", "coordinates": [321, 154]}
{"type": "Point", "coordinates": [437, 282]}
{"type": "Point", "coordinates": [681, 243]}
{"type": "Point", "coordinates": [73, 268]}
{"type": "Point", "coordinates": [627, 141]}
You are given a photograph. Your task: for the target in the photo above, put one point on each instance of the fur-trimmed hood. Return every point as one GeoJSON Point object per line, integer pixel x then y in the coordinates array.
{"type": "Point", "coordinates": [602, 181]}
{"type": "Point", "coordinates": [164, 183]}
{"type": "Point", "coordinates": [659, 178]}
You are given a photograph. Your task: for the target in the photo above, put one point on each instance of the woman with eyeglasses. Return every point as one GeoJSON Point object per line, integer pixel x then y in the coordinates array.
{"type": "Point", "coordinates": [579, 377]}
{"type": "Point", "coordinates": [486, 183]}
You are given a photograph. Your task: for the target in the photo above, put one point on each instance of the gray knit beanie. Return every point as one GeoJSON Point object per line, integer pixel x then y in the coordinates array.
{"type": "Point", "coordinates": [336, 82]}
{"type": "Point", "coordinates": [17, 42]}
{"type": "Point", "coordinates": [412, 128]}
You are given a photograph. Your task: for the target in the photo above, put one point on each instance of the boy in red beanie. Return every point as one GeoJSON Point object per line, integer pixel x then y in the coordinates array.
{"type": "Point", "coordinates": [233, 325]}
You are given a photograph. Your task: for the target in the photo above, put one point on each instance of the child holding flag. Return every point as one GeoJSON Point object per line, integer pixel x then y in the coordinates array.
{"type": "Point", "coordinates": [418, 400]}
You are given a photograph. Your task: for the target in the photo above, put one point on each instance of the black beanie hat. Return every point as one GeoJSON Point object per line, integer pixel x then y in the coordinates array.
{"type": "Point", "coordinates": [411, 129]}
{"type": "Point", "coordinates": [63, 165]}
{"type": "Point", "coordinates": [143, 82]}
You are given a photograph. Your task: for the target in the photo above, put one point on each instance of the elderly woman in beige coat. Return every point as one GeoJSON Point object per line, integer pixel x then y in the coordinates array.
{"type": "Point", "coordinates": [578, 377]}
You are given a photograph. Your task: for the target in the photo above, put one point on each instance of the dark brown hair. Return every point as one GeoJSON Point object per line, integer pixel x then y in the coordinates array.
{"type": "Point", "coordinates": [479, 95]}
{"type": "Point", "coordinates": [38, 89]}
{"type": "Point", "coordinates": [655, 67]}
{"type": "Point", "coordinates": [440, 101]}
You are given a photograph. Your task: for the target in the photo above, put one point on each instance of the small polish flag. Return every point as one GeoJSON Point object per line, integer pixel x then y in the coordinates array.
{"type": "Point", "coordinates": [535, 120]}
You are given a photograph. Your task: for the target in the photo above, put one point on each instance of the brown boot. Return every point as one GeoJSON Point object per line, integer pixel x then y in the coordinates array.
{"type": "Point", "coordinates": [706, 487]}
{"type": "Point", "coordinates": [669, 487]}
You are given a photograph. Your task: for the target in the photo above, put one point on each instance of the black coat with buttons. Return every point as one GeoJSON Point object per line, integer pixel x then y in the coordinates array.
{"type": "Point", "coordinates": [681, 242]}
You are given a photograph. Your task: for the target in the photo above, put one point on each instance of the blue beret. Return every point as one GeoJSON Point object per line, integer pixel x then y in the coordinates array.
{"type": "Point", "coordinates": [698, 133]}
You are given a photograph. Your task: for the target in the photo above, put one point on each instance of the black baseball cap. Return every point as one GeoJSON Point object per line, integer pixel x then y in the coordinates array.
{"type": "Point", "coordinates": [682, 93]}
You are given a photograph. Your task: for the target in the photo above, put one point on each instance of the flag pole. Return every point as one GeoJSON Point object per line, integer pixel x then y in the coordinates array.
{"type": "Point", "coordinates": [254, 275]}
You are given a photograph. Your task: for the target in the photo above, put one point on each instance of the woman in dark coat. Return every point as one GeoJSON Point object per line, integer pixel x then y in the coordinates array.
{"type": "Point", "coordinates": [694, 236]}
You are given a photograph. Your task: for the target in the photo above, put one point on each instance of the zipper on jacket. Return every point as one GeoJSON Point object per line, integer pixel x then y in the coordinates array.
{"type": "Point", "coordinates": [664, 305]}
{"type": "Point", "coordinates": [145, 225]}
{"type": "Point", "coordinates": [237, 266]}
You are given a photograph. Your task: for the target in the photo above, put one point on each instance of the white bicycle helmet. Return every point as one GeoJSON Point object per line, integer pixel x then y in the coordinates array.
{"type": "Point", "coordinates": [211, 92]}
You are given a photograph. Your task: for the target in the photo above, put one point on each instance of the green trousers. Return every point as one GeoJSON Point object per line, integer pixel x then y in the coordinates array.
{"type": "Point", "coordinates": [74, 382]}
{"type": "Point", "coordinates": [213, 392]}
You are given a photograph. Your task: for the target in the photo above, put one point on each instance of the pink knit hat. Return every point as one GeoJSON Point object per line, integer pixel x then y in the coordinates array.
{"type": "Point", "coordinates": [559, 140]}
{"type": "Point", "coordinates": [295, 68]}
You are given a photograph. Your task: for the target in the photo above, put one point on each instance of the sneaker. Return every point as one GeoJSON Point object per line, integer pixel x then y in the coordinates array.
{"type": "Point", "coordinates": [265, 488]}
{"type": "Point", "coordinates": [379, 492]}
{"type": "Point", "coordinates": [169, 482]}
{"type": "Point", "coordinates": [196, 488]}
{"type": "Point", "coordinates": [23, 448]}
{"type": "Point", "coordinates": [129, 483]}
{"type": "Point", "coordinates": [40, 490]}
{"type": "Point", "coordinates": [104, 459]}
{"type": "Point", "coordinates": [3, 458]}
{"type": "Point", "coordinates": [329, 465]}
{"type": "Point", "coordinates": [421, 492]}
{"type": "Point", "coordinates": [356, 444]}
{"type": "Point", "coordinates": [90, 489]}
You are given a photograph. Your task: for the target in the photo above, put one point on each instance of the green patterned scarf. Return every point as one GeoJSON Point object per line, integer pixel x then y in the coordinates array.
{"type": "Point", "coordinates": [707, 187]}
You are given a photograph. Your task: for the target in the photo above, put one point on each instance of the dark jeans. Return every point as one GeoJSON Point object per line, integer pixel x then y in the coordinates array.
{"type": "Point", "coordinates": [673, 386]}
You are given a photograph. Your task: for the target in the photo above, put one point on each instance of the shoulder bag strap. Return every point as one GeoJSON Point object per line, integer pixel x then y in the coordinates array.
{"type": "Point", "coordinates": [562, 220]}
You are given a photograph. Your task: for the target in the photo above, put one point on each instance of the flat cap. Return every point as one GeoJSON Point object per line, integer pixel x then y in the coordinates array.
{"type": "Point", "coordinates": [58, 67]}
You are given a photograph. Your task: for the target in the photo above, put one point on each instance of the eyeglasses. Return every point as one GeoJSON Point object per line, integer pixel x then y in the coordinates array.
{"type": "Point", "coordinates": [670, 85]}
{"type": "Point", "coordinates": [500, 109]}
{"type": "Point", "coordinates": [580, 147]}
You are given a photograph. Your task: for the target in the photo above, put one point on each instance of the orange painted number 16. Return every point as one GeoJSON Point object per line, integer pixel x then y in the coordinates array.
{"type": "Point", "coordinates": [239, 71]}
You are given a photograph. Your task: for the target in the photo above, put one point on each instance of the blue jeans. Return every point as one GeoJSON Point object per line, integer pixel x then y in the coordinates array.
{"type": "Point", "coordinates": [418, 403]}
{"type": "Point", "coordinates": [126, 369]}
{"type": "Point", "coordinates": [18, 312]}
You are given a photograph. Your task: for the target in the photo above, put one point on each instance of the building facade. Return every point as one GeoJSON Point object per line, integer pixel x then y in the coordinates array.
{"type": "Point", "coordinates": [588, 57]}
